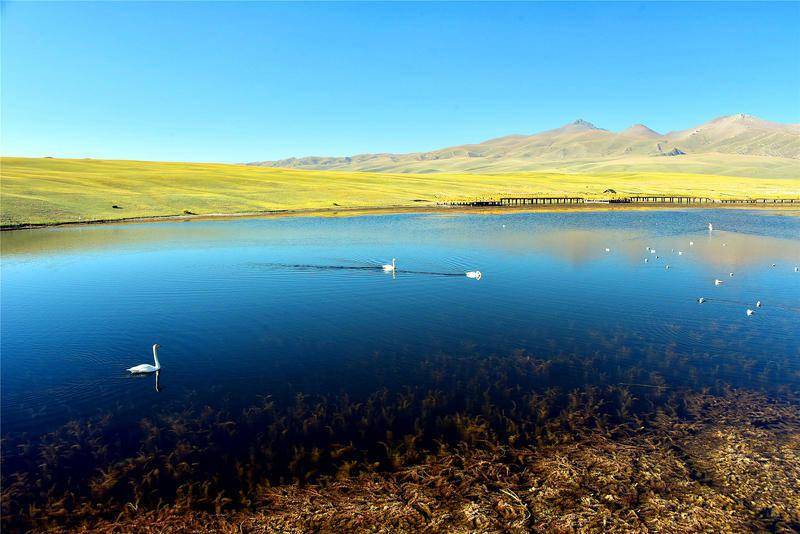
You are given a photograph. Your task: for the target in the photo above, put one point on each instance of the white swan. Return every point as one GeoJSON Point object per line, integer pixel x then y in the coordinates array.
{"type": "Point", "coordinates": [666, 266]}
{"type": "Point", "coordinates": [730, 274]}
{"type": "Point", "coordinates": [389, 268]}
{"type": "Point", "coordinates": [710, 227]}
{"type": "Point", "coordinates": [608, 249]}
{"type": "Point", "coordinates": [474, 274]}
{"type": "Point", "coordinates": [691, 243]}
{"type": "Point", "coordinates": [646, 260]}
{"type": "Point", "coordinates": [718, 282]}
{"type": "Point", "coordinates": [758, 304]}
{"type": "Point", "coordinates": [701, 300]}
{"type": "Point", "coordinates": [146, 367]}
{"type": "Point", "coordinates": [680, 253]}
{"type": "Point", "coordinates": [750, 312]}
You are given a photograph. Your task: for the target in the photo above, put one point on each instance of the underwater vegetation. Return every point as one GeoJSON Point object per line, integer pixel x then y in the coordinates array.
{"type": "Point", "coordinates": [488, 442]}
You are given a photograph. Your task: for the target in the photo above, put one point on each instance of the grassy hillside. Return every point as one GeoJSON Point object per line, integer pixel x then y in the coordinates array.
{"type": "Point", "coordinates": [36, 191]}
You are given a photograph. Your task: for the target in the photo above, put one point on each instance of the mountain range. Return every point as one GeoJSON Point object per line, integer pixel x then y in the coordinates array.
{"type": "Point", "coordinates": [736, 144]}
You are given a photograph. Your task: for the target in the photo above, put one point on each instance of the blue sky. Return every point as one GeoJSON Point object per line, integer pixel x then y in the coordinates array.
{"type": "Point", "coordinates": [237, 82]}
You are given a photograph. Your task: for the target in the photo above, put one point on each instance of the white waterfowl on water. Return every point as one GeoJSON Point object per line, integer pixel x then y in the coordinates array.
{"type": "Point", "coordinates": [773, 265]}
{"type": "Point", "coordinates": [389, 268]}
{"type": "Point", "coordinates": [758, 304]}
{"type": "Point", "coordinates": [691, 243]}
{"type": "Point", "coordinates": [608, 249]}
{"type": "Point", "coordinates": [477, 275]}
{"type": "Point", "coordinates": [680, 253]}
{"type": "Point", "coordinates": [701, 300]}
{"type": "Point", "coordinates": [646, 260]}
{"type": "Point", "coordinates": [146, 367]}
{"type": "Point", "coordinates": [750, 312]}
{"type": "Point", "coordinates": [666, 266]}
{"type": "Point", "coordinates": [797, 269]}
{"type": "Point", "coordinates": [730, 274]}
{"type": "Point", "coordinates": [710, 227]}
{"type": "Point", "coordinates": [718, 282]}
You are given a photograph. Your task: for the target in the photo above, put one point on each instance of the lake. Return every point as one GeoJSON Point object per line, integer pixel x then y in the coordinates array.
{"type": "Point", "coordinates": [293, 313]}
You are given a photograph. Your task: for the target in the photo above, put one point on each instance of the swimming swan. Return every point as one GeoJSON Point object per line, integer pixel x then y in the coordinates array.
{"type": "Point", "coordinates": [474, 274]}
{"type": "Point", "coordinates": [710, 227]}
{"type": "Point", "coordinates": [146, 367]}
{"type": "Point", "coordinates": [750, 312]}
{"type": "Point", "coordinates": [718, 282]}
{"type": "Point", "coordinates": [389, 268]}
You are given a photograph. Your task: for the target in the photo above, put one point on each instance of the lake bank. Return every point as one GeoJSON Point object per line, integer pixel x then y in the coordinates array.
{"type": "Point", "coordinates": [42, 191]}
{"type": "Point", "coordinates": [395, 210]}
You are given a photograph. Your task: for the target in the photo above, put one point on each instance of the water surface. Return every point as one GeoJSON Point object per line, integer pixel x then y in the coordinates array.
{"type": "Point", "coordinates": [250, 308]}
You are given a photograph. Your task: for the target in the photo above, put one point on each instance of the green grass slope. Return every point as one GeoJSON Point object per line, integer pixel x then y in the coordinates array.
{"type": "Point", "coordinates": [43, 190]}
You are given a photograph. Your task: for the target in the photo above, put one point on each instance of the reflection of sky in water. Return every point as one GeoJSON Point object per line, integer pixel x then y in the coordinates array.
{"type": "Point", "coordinates": [239, 312]}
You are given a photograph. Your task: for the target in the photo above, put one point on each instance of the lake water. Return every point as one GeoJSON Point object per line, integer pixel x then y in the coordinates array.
{"type": "Point", "coordinates": [254, 307]}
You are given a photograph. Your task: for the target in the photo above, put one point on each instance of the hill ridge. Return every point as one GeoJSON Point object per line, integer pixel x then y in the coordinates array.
{"type": "Point", "coordinates": [580, 140]}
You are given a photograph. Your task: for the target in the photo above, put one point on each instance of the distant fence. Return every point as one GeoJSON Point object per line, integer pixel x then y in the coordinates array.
{"type": "Point", "coordinates": [642, 199]}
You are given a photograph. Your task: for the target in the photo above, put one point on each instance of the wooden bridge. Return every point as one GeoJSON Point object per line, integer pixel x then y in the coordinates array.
{"type": "Point", "coordinates": [640, 199]}
{"type": "Point", "coordinates": [524, 201]}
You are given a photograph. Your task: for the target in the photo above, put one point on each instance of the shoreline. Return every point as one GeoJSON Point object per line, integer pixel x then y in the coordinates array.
{"type": "Point", "coordinates": [392, 210]}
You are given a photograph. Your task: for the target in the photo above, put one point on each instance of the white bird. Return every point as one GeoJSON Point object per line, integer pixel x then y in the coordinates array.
{"type": "Point", "coordinates": [691, 243]}
{"type": "Point", "coordinates": [724, 245]}
{"type": "Point", "coordinates": [146, 367]}
{"type": "Point", "coordinates": [680, 253]}
{"type": "Point", "coordinates": [608, 249]}
{"type": "Point", "coordinates": [389, 268]}
{"type": "Point", "coordinates": [474, 274]}
{"type": "Point", "coordinates": [773, 265]}
{"type": "Point", "coordinates": [730, 274]}
{"type": "Point", "coordinates": [718, 282]}
{"type": "Point", "coordinates": [701, 300]}
{"type": "Point", "coordinates": [750, 312]}
{"type": "Point", "coordinates": [666, 266]}
{"type": "Point", "coordinates": [672, 250]}
{"type": "Point", "coordinates": [710, 227]}
{"type": "Point", "coordinates": [652, 251]}
{"type": "Point", "coordinates": [758, 304]}
{"type": "Point", "coordinates": [646, 260]}
{"type": "Point", "coordinates": [797, 269]}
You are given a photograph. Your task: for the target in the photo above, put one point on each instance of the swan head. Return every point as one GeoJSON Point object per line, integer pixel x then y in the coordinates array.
{"type": "Point", "coordinates": [156, 346]}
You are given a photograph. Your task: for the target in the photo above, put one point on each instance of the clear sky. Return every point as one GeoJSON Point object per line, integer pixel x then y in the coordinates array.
{"type": "Point", "coordinates": [237, 82]}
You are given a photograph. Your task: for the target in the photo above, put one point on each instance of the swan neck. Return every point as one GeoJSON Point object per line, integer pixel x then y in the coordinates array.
{"type": "Point", "coordinates": [155, 357]}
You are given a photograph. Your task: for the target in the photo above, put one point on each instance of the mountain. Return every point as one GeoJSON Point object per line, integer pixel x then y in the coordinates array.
{"type": "Point", "coordinates": [580, 145]}
{"type": "Point", "coordinates": [640, 130]}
